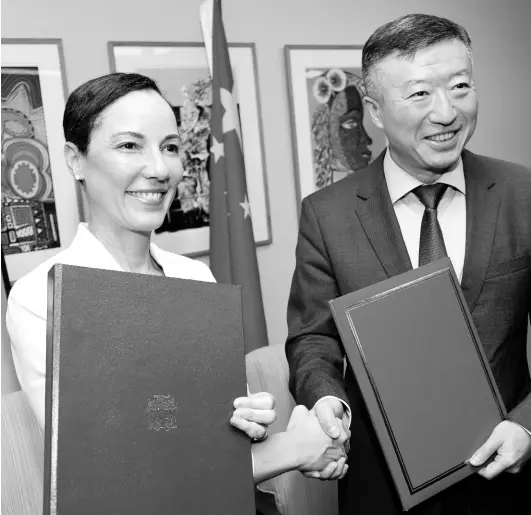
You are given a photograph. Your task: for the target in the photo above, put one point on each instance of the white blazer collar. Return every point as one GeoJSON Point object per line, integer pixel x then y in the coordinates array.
{"type": "Point", "coordinates": [88, 251]}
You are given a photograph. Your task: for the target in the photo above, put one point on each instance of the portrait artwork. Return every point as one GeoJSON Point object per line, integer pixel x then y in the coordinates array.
{"type": "Point", "coordinates": [333, 135]}
{"type": "Point", "coordinates": [340, 142]}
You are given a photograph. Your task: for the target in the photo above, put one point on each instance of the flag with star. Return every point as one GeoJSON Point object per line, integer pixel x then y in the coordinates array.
{"type": "Point", "coordinates": [232, 246]}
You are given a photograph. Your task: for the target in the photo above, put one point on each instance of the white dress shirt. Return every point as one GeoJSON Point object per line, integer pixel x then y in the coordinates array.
{"type": "Point", "coordinates": [409, 210]}
{"type": "Point", "coordinates": [27, 305]}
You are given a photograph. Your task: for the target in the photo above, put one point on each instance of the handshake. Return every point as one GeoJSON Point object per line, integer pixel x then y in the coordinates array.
{"type": "Point", "coordinates": [315, 442]}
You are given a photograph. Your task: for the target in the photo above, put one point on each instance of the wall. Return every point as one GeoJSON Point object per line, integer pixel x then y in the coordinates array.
{"type": "Point", "coordinates": [499, 31]}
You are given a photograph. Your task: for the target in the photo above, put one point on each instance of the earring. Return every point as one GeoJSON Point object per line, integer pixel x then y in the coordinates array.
{"type": "Point", "coordinates": [77, 177]}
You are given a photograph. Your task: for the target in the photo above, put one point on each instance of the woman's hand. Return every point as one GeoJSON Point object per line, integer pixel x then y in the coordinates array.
{"type": "Point", "coordinates": [253, 414]}
{"type": "Point", "coordinates": [316, 451]}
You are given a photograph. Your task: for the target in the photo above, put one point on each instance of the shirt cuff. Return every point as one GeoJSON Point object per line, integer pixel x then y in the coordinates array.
{"type": "Point", "coordinates": [346, 406]}
{"type": "Point", "coordinates": [524, 428]}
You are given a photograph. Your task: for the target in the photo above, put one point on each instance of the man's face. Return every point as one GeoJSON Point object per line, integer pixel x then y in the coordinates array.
{"type": "Point", "coordinates": [427, 107]}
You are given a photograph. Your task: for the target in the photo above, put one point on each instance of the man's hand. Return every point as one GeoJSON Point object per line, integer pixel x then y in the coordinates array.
{"type": "Point", "coordinates": [331, 412]}
{"type": "Point", "coordinates": [319, 455]}
{"type": "Point", "coordinates": [254, 413]}
{"type": "Point", "coordinates": [512, 445]}
{"type": "Point", "coordinates": [333, 420]}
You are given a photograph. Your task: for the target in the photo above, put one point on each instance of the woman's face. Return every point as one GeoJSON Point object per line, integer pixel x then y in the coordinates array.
{"type": "Point", "coordinates": [132, 168]}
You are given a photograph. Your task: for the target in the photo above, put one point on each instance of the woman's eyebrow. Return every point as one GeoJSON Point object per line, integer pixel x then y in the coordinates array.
{"type": "Point", "coordinates": [129, 133]}
{"type": "Point", "coordinates": [171, 136]}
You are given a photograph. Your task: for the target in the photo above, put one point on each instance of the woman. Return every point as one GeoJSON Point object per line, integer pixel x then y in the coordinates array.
{"type": "Point", "coordinates": [122, 145]}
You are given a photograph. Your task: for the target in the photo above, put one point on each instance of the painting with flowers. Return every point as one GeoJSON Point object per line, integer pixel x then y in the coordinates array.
{"type": "Point", "coordinates": [332, 135]}
{"type": "Point", "coordinates": [181, 72]}
{"type": "Point", "coordinates": [190, 208]}
{"type": "Point", "coordinates": [41, 202]}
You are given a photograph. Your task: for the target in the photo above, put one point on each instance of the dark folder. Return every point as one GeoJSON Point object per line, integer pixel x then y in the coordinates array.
{"type": "Point", "coordinates": [428, 387]}
{"type": "Point", "coordinates": [142, 373]}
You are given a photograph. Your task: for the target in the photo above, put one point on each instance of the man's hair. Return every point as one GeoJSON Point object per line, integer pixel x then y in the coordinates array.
{"type": "Point", "coordinates": [88, 101]}
{"type": "Point", "coordinates": [404, 37]}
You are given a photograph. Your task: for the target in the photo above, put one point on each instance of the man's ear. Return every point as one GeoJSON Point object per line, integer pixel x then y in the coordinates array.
{"type": "Point", "coordinates": [373, 107]}
{"type": "Point", "coordinates": [73, 158]}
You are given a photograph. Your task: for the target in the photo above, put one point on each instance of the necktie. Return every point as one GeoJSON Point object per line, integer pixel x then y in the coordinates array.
{"type": "Point", "coordinates": [431, 237]}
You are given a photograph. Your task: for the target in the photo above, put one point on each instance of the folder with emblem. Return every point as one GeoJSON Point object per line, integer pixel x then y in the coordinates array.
{"type": "Point", "coordinates": [142, 374]}
{"type": "Point", "coordinates": [423, 374]}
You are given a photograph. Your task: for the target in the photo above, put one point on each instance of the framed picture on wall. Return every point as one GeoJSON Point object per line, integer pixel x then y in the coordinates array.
{"type": "Point", "coordinates": [181, 71]}
{"type": "Point", "coordinates": [332, 137]}
{"type": "Point", "coordinates": [41, 205]}
{"type": "Point", "coordinates": [5, 277]}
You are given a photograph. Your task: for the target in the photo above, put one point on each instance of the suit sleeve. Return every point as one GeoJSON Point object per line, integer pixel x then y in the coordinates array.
{"type": "Point", "coordinates": [313, 351]}
{"type": "Point", "coordinates": [521, 413]}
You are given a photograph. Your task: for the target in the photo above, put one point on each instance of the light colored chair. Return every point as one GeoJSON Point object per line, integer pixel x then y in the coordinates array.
{"type": "Point", "coordinates": [267, 371]}
{"type": "Point", "coordinates": [22, 457]}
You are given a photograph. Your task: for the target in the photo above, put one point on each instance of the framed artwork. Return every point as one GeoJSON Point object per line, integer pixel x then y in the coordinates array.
{"type": "Point", "coordinates": [5, 277]}
{"type": "Point", "coordinates": [41, 205]}
{"type": "Point", "coordinates": [332, 136]}
{"type": "Point", "coordinates": [181, 71]}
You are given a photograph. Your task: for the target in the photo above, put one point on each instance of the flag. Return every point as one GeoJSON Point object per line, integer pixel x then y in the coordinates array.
{"type": "Point", "coordinates": [232, 246]}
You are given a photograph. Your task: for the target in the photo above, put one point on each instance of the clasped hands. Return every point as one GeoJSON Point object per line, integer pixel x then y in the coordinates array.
{"type": "Point", "coordinates": [319, 439]}
{"type": "Point", "coordinates": [325, 432]}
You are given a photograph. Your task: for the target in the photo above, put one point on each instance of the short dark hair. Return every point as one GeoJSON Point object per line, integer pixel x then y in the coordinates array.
{"type": "Point", "coordinates": [404, 37]}
{"type": "Point", "coordinates": [86, 103]}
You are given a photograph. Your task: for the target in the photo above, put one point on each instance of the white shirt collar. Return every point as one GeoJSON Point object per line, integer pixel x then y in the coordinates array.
{"type": "Point", "coordinates": [400, 183]}
{"type": "Point", "coordinates": [89, 251]}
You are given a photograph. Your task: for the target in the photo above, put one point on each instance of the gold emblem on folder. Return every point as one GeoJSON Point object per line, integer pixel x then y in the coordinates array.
{"type": "Point", "coordinates": [162, 413]}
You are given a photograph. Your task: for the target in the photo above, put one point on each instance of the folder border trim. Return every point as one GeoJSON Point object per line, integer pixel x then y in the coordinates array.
{"type": "Point", "coordinates": [55, 277]}
{"type": "Point", "coordinates": [347, 309]}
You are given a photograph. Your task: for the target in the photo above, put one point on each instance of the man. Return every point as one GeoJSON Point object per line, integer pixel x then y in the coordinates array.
{"type": "Point", "coordinates": [369, 226]}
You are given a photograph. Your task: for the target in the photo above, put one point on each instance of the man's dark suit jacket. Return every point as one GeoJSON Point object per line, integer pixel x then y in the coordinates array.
{"type": "Point", "coordinates": [349, 238]}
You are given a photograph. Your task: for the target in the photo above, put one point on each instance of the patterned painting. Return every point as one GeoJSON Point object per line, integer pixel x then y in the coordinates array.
{"type": "Point", "coordinates": [29, 216]}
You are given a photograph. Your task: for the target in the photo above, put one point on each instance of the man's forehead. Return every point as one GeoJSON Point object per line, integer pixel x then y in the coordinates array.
{"type": "Point", "coordinates": [441, 60]}
{"type": "Point", "coordinates": [439, 52]}
{"type": "Point", "coordinates": [444, 51]}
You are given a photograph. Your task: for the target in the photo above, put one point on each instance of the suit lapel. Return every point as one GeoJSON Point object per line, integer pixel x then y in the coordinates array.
{"type": "Point", "coordinates": [378, 219]}
{"type": "Point", "coordinates": [482, 207]}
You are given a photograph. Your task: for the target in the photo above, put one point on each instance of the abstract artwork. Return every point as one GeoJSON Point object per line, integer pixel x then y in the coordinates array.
{"type": "Point", "coordinates": [41, 206]}
{"type": "Point", "coordinates": [29, 214]}
{"type": "Point", "coordinates": [181, 71]}
{"type": "Point", "coordinates": [332, 135]}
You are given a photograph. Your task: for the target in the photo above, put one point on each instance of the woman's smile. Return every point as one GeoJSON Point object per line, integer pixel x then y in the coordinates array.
{"type": "Point", "coordinates": [155, 198]}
